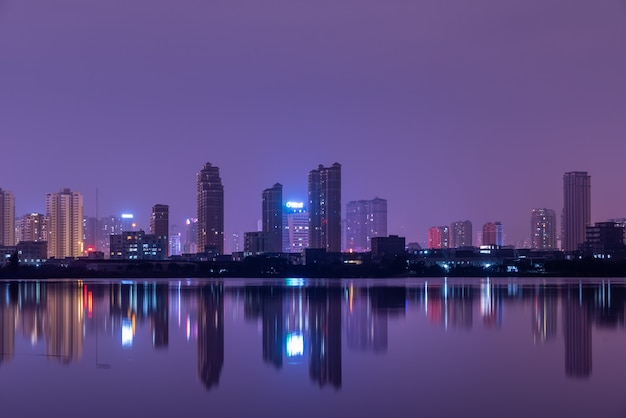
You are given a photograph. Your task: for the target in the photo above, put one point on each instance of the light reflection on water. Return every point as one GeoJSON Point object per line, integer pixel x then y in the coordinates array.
{"type": "Point", "coordinates": [326, 347]}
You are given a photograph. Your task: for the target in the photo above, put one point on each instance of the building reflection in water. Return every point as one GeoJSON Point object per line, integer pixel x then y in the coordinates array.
{"type": "Point", "coordinates": [577, 333]}
{"type": "Point", "coordinates": [449, 305]}
{"type": "Point", "coordinates": [544, 314]}
{"type": "Point", "coordinates": [64, 325]}
{"type": "Point", "coordinates": [366, 327]}
{"type": "Point", "coordinates": [325, 335]}
{"type": "Point", "coordinates": [210, 334]}
{"type": "Point", "coordinates": [8, 309]}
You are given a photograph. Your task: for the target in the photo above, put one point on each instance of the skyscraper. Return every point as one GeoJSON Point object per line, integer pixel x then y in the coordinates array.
{"type": "Point", "coordinates": [365, 219]}
{"type": "Point", "coordinates": [65, 224]}
{"type": "Point", "coordinates": [272, 202]}
{"type": "Point", "coordinates": [295, 227]}
{"type": "Point", "coordinates": [576, 208]}
{"type": "Point", "coordinates": [543, 229]}
{"type": "Point", "coordinates": [160, 224]}
{"type": "Point", "coordinates": [325, 208]}
{"type": "Point", "coordinates": [461, 234]}
{"type": "Point", "coordinates": [493, 234]}
{"type": "Point", "coordinates": [210, 210]}
{"type": "Point", "coordinates": [7, 218]}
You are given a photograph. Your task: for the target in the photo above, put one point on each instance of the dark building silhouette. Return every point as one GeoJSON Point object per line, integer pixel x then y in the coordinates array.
{"type": "Point", "coordinates": [576, 209]}
{"type": "Point", "coordinates": [324, 188]}
{"type": "Point", "coordinates": [210, 198]}
{"type": "Point", "coordinates": [392, 245]}
{"type": "Point", "coordinates": [210, 334]}
{"type": "Point", "coordinates": [137, 245]}
{"type": "Point", "coordinates": [159, 224]}
{"type": "Point", "coordinates": [605, 240]}
{"type": "Point", "coordinates": [272, 220]}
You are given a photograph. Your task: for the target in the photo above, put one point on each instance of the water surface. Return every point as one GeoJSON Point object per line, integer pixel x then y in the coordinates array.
{"type": "Point", "coordinates": [313, 348]}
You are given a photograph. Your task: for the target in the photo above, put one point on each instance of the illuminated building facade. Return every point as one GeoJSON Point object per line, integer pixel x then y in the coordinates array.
{"type": "Point", "coordinates": [493, 234]}
{"type": "Point", "coordinates": [272, 205]}
{"type": "Point", "coordinates": [365, 219]}
{"type": "Point", "coordinates": [64, 211]}
{"type": "Point", "coordinates": [439, 237]}
{"type": "Point", "coordinates": [210, 199]}
{"type": "Point", "coordinates": [324, 189]}
{"type": "Point", "coordinates": [7, 218]}
{"type": "Point", "coordinates": [190, 246]}
{"type": "Point", "coordinates": [576, 209]}
{"type": "Point", "coordinates": [461, 234]}
{"type": "Point", "coordinates": [295, 227]}
{"type": "Point", "coordinates": [543, 229]}
{"type": "Point", "coordinates": [160, 224]}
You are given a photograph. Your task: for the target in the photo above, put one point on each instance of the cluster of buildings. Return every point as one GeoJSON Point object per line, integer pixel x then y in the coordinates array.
{"type": "Point", "coordinates": [285, 227]}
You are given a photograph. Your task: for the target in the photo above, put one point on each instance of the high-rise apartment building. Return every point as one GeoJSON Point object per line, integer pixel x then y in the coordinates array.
{"type": "Point", "coordinates": [64, 211]}
{"type": "Point", "coordinates": [7, 218]}
{"type": "Point", "coordinates": [543, 229]}
{"type": "Point", "coordinates": [365, 219]}
{"type": "Point", "coordinates": [438, 237]}
{"type": "Point", "coordinates": [461, 234]}
{"type": "Point", "coordinates": [32, 227]}
{"type": "Point", "coordinates": [324, 186]}
{"type": "Point", "coordinates": [160, 224]}
{"type": "Point", "coordinates": [576, 209]}
{"type": "Point", "coordinates": [210, 198]}
{"type": "Point", "coordinates": [272, 204]}
{"type": "Point", "coordinates": [493, 234]}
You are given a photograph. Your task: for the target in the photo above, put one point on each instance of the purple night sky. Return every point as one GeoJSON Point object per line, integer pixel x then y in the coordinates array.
{"type": "Point", "coordinates": [449, 109]}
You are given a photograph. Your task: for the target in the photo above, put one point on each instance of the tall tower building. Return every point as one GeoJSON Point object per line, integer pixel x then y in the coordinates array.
{"type": "Point", "coordinates": [160, 224]}
{"type": "Point", "coordinates": [493, 234]}
{"type": "Point", "coordinates": [365, 219]}
{"type": "Point", "coordinates": [272, 202]}
{"type": "Point", "coordinates": [210, 210]}
{"type": "Point", "coordinates": [325, 208]}
{"type": "Point", "coordinates": [64, 211]}
{"type": "Point", "coordinates": [461, 234]}
{"type": "Point", "coordinates": [543, 229]}
{"type": "Point", "coordinates": [295, 227]}
{"type": "Point", "coordinates": [7, 218]}
{"type": "Point", "coordinates": [576, 208]}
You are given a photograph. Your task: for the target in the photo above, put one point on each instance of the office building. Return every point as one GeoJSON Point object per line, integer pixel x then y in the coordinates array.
{"type": "Point", "coordinates": [438, 237]}
{"type": "Point", "coordinates": [324, 189]}
{"type": "Point", "coordinates": [543, 229]}
{"type": "Point", "coordinates": [137, 245]}
{"type": "Point", "coordinates": [190, 246]}
{"type": "Point", "coordinates": [7, 218]}
{"type": "Point", "coordinates": [160, 224]}
{"type": "Point", "coordinates": [64, 211]}
{"type": "Point", "coordinates": [210, 199]}
{"type": "Point", "coordinates": [272, 205]}
{"type": "Point", "coordinates": [576, 209]}
{"type": "Point", "coordinates": [493, 234]}
{"type": "Point", "coordinates": [365, 219]}
{"type": "Point", "coordinates": [295, 227]}
{"type": "Point", "coordinates": [461, 234]}
{"type": "Point", "coordinates": [605, 240]}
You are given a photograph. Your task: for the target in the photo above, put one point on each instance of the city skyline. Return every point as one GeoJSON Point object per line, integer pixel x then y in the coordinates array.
{"type": "Point", "coordinates": [388, 91]}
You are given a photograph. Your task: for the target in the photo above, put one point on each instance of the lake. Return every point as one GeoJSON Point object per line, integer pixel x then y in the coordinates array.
{"type": "Point", "coordinates": [313, 348]}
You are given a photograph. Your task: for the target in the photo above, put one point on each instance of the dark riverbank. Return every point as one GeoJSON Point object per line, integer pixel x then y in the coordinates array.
{"type": "Point", "coordinates": [281, 268]}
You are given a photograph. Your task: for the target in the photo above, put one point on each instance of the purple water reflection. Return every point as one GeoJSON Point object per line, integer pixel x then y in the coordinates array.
{"type": "Point", "coordinates": [240, 348]}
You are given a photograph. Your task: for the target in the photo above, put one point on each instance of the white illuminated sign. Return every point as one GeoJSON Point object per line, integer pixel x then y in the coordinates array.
{"type": "Point", "coordinates": [127, 216]}
{"type": "Point", "coordinates": [295, 205]}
